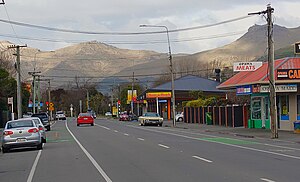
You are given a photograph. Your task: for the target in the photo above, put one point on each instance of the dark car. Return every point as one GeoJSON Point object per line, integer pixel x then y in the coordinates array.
{"type": "Point", "coordinates": [133, 117]}
{"type": "Point", "coordinates": [44, 118]}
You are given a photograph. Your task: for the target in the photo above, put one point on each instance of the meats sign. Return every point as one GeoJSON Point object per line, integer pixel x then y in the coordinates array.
{"type": "Point", "coordinates": [246, 66]}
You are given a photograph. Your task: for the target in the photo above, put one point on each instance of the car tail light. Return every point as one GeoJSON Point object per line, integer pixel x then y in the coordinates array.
{"type": "Point", "coordinates": [8, 133]}
{"type": "Point", "coordinates": [33, 130]}
{"type": "Point", "coordinates": [41, 128]}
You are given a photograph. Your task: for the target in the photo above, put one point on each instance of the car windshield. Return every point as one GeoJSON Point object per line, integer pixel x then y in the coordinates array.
{"type": "Point", "coordinates": [59, 112]}
{"type": "Point", "coordinates": [19, 124]}
{"type": "Point", "coordinates": [40, 115]}
{"type": "Point", "coordinates": [151, 114]}
{"type": "Point", "coordinates": [85, 114]}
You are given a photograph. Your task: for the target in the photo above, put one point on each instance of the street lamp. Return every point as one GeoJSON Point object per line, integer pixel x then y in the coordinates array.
{"type": "Point", "coordinates": [171, 67]}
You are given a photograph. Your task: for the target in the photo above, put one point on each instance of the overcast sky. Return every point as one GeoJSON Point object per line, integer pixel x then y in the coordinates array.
{"type": "Point", "coordinates": [127, 15]}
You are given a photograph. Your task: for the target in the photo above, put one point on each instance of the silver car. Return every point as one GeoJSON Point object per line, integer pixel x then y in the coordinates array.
{"type": "Point", "coordinates": [21, 133]}
{"type": "Point", "coordinates": [41, 127]}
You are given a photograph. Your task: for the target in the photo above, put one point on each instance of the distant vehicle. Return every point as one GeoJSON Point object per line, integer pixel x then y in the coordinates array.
{"type": "Point", "coordinates": [21, 133]}
{"type": "Point", "coordinates": [108, 114]}
{"type": "Point", "coordinates": [85, 118]}
{"type": "Point", "coordinates": [151, 118]}
{"type": "Point", "coordinates": [124, 117]}
{"type": "Point", "coordinates": [41, 128]}
{"type": "Point", "coordinates": [179, 117]}
{"type": "Point", "coordinates": [60, 115]}
{"type": "Point", "coordinates": [133, 117]}
{"type": "Point", "coordinates": [27, 115]}
{"type": "Point", "coordinates": [44, 118]}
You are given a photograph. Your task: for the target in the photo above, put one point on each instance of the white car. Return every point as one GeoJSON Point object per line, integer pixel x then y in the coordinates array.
{"type": "Point", "coordinates": [179, 117]}
{"type": "Point", "coordinates": [60, 115]}
{"type": "Point", "coordinates": [108, 114]}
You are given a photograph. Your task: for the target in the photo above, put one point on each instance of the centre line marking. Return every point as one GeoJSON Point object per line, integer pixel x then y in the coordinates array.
{"type": "Point", "coordinates": [126, 134]}
{"type": "Point", "coordinates": [141, 139]}
{"type": "Point", "coordinates": [267, 180]}
{"type": "Point", "coordinates": [200, 158]}
{"type": "Point", "coordinates": [94, 162]}
{"type": "Point", "coordinates": [29, 179]}
{"type": "Point", "coordinates": [102, 127]}
{"type": "Point", "coordinates": [164, 146]}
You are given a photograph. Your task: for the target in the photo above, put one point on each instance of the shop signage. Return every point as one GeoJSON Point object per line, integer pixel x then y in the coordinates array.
{"type": "Point", "coordinates": [246, 66]}
{"type": "Point", "coordinates": [288, 74]}
{"type": "Point", "coordinates": [297, 48]}
{"type": "Point", "coordinates": [158, 95]}
{"type": "Point", "coordinates": [244, 90]}
{"type": "Point", "coordinates": [279, 88]}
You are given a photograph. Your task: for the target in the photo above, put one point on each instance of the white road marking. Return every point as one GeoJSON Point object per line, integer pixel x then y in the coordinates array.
{"type": "Point", "coordinates": [33, 168]}
{"type": "Point", "coordinates": [267, 180]}
{"type": "Point", "coordinates": [200, 158]}
{"type": "Point", "coordinates": [278, 146]}
{"type": "Point", "coordinates": [231, 145]}
{"type": "Point", "coordinates": [141, 139]}
{"type": "Point", "coordinates": [103, 127]}
{"type": "Point", "coordinates": [126, 134]}
{"type": "Point", "coordinates": [94, 162]}
{"type": "Point", "coordinates": [164, 146]}
{"type": "Point", "coordinates": [116, 131]}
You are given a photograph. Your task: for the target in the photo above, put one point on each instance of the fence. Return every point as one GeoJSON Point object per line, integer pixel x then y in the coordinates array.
{"type": "Point", "coordinates": [229, 116]}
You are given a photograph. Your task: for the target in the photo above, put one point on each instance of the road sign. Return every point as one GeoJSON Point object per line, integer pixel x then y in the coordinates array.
{"type": "Point", "coordinates": [51, 108]}
{"type": "Point", "coordinates": [51, 104]}
{"type": "Point", "coordinates": [10, 100]}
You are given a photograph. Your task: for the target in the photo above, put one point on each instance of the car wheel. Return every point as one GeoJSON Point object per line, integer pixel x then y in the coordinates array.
{"type": "Point", "coordinates": [44, 140]}
{"type": "Point", "coordinates": [5, 150]}
{"type": "Point", "coordinates": [48, 128]}
{"type": "Point", "coordinates": [160, 124]}
{"type": "Point", "coordinates": [77, 124]}
{"type": "Point", "coordinates": [40, 146]}
{"type": "Point", "coordinates": [92, 124]}
{"type": "Point", "coordinates": [180, 119]}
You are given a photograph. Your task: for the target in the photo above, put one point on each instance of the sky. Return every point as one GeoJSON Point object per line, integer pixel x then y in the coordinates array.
{"type": "Point", "coordinates": [125, 16]}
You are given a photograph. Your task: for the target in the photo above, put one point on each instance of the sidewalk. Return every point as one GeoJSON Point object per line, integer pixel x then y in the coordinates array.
{"type": "Point", "coordinates": [288, 136]}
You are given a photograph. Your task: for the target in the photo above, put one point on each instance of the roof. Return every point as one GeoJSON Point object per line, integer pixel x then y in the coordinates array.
{"type": "Point", "coordinates": [190, 83]}
{"type": "Point", "coordinates": [260, 76]}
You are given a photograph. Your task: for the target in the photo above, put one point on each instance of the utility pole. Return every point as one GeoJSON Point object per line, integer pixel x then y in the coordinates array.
{"type": "Point", "coordinates": [273, 107]}
{"type": "Point", "coordinates": [19, 83]}
{"type": "Point", "coordinates": [34, 74]}
{"type": "Point", "coordinates": [49, 93]}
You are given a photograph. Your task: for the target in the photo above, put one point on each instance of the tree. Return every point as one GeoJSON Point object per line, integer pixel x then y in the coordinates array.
{"type": "Point", "coordinates": [8, 87]}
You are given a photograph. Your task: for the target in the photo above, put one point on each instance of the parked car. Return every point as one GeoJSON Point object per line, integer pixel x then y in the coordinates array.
{"type": "Point", "coordinates": [85, 118]}
{"type": "Point", "coordinates": [151, 118]}
{"type": "Point", "coordinates": [44, 118]}
{"type": "Point", "coordinates": [124, 117]}
{"type": "Point", "coordinates": [21, 133]}
{"type": "Point", "coordinates": [179, 117]}
{"type": "Point", "coordinates": [27, 115]}
{"type": "Point", "coordinates": [60, 115]}
{"type": "Point", "coordinates": [133, 117]}
{"type": "Point", "coordinates": [41, 127]}
{"type": "Point", "coordinates": [108, 114]}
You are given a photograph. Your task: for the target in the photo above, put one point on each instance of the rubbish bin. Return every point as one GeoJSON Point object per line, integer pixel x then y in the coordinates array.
{"type": "Point", "coordinates": [297, 127]}
{"type": "Point", "coordinates": [208, 118]}
{"type": "Point", "coordinates": [250, 123]}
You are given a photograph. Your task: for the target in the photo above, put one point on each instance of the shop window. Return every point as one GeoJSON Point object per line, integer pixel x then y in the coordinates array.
{"type": "Point", "coordinates": [284, 107]}
{"type": "Point", "coordinates": [256, 107]}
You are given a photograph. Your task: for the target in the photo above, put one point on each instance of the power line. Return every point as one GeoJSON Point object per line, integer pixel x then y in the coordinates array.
{"type": "Point", "coordinates": [119, 33]}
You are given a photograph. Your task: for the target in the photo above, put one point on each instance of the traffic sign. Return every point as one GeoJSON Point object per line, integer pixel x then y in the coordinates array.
{"type": "Point", "coordinates": [51, 104]}
{"type": "Point", "coordinates": [51, 108]}
{"type": "Point", "coordinates": [10, 100]}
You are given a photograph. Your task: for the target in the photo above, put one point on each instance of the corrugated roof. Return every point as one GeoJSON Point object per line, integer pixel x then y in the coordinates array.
{"type": "Point", "coordinates": [190, 83]}
{"type": "Point", "coordinates": [261, 74]}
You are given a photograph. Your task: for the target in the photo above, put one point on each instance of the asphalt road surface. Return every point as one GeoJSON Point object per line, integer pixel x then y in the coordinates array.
{"type": "Point", "coordinates": [126, 152]}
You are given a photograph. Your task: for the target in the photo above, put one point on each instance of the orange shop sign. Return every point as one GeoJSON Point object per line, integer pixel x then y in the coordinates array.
{"type": "Point", "coordinates": [158, 95]}
{"type": "Point", "coordinates": [288, 74]}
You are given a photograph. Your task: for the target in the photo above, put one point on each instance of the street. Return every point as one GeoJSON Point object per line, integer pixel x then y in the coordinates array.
{"type": "Point", "coordinates": [124, 151]}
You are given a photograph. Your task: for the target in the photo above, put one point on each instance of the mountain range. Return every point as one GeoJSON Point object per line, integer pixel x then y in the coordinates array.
{"type": "Point", "coordinates": [106, 65]}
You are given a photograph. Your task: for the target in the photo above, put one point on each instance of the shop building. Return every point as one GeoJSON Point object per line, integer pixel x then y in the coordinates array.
{"type": "Point", "coordinates": [256, 84]}
{"type": "Point", "coordinates": [158, 99]}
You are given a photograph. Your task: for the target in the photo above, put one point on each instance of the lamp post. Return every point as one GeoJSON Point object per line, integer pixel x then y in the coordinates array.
{"type": "Point", "coordinates": [171, 68]}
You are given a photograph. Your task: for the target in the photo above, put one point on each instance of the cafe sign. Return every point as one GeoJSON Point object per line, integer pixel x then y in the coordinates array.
{"type": "Point", "coordinates": [158, 95]}
{"type": "Point", "coordinates": [288, 74]}
{"type": "Point", "coordinates": [279, 88]}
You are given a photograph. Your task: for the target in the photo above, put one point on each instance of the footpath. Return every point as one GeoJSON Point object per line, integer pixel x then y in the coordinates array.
{"type": "Point", "coordinates": [288, 136]}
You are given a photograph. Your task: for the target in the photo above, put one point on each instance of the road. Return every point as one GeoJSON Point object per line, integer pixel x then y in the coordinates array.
{"type": "Point", "coordinates": [124, 151]}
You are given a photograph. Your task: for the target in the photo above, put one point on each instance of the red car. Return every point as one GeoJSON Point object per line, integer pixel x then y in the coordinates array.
{"type": "Point", "coordinates": [85, 118]}
{"type": "Point", "coordinates": [124, 117]}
